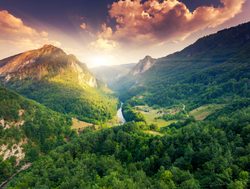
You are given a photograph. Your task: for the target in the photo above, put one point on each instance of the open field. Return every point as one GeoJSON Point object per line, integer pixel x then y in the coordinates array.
{"type": "Point", "coordinates": [79, 125]}
{"type": "Point", "coordinates": [155, 133]}
{"type": "Point", "coordinates": [202, 112]}
{"type": "Point", "coordinates": [113, 122]}
{"type": "Point", "coordinates": [152, 116]}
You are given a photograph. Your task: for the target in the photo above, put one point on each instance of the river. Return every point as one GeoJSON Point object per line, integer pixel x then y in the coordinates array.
{"type": "Point", "coordinates": [120, 116]}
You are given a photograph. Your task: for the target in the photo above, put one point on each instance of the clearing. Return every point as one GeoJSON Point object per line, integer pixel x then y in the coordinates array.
{"type": "Point", "coordinates": [152, 116]}
{"type": "Point", "coordinates": [80, 125]}
{"type": "Point", "coordinates": [203, 112]}
{"type": "Point", "coordinates": [155, 133]}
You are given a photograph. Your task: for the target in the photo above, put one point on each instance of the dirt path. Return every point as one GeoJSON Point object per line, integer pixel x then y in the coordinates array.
{"type": "Point", "coordinates": [23, 168]}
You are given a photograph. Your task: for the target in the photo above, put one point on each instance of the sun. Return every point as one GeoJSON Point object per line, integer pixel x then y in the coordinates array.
{"type": "Point", "coordinates": [101, 60]}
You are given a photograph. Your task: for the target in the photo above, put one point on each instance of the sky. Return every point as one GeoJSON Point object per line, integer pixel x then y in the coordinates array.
{"type": "Point", "coordinates": [108, 32]}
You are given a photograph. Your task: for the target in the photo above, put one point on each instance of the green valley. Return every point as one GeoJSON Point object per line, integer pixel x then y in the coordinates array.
{"type": "Point", "coordinates": [187, 119]}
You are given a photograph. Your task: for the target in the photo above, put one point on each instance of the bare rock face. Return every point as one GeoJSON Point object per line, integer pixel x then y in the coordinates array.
{"type": "Point", "coordinates": [16, 150]}
{"type": "Point", "coordinates": [46, 63]}
{"type": "Point", "coordinates": [143, 65]}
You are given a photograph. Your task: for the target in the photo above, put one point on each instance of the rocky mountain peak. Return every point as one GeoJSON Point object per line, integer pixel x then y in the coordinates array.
{"type": "Point", "coordinates": [147, 58]}
{"type": "Point", "coordinates": [50, 49]}
{"type": "Point", "coordinates": [143, 65]}
{"type": "Point", "coordinates": [47, 62]}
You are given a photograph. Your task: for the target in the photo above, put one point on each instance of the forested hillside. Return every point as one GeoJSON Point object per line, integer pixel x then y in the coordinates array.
{"type": "Point", "coordinates": [215, 69]}
{"type": "Point", "coordinates": [27, 130]}
{"type": "Point", "coordinates": [210, 154]}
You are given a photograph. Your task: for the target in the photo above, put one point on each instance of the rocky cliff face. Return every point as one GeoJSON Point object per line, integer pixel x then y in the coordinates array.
{"type": "Point", "coordinates": [143, 65]}
{"type": "Point", "coordinates": [47, 62]}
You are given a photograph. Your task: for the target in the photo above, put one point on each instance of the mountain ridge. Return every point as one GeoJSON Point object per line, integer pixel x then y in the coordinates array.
{"type": "Point", "coordinates": [59, 81]}
{"type": "Point", "coordinates": [218, 61]}
{"type": "Point", "coordinates": [201, 44]}
{"type": "Point", "coordinates": [47, 61]}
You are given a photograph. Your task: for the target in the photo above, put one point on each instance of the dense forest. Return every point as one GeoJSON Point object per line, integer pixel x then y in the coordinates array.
{"type": "Point", "coordinates": [88, 105]}
{"type": "Point", "coordinates": [210, 154]}
{"type": "Point", "coordinates": [36, 128]}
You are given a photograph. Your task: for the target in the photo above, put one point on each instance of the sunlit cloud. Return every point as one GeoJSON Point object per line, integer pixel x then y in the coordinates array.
{"type": "Point", "coordinates": [104, 40]}
{"type": "Point", "coordinates": [153, 21]}
{"type": "Point", "coordinates": [133, 29]}
{"type": "Point", "coordinates": [14, 32]}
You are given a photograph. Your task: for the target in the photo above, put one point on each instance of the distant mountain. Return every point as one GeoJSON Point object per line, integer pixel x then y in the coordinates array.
{"type": "Point", "coordinates": [59, 81]}
{"type": "Point", "coordinates": [216, 68]}
{"type": "Point", "coordinates": [143, 65]}
{"type": "Point", "coordinates": [27, 129]}
{"type": "Point", "coordinates": [110, 74]}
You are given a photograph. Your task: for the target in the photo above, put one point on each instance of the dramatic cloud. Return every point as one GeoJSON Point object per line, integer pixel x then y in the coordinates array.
{"type": "Point", "coordinates": [155, 21]}
{"type": "Point", "coordinates": [104, 39]}
{"type": "Point", "coordinates": [83, 26]}
{"type": "Point", "coordinates": [13, 32]}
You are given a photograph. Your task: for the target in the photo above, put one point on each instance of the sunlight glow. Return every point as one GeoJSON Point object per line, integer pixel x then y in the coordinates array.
{"type": "Point", "coordinates": [101, 60]}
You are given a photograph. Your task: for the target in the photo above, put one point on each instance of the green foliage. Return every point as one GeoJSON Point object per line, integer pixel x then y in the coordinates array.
{"type": "Point", "coordinates": [208, 154]}
{"type": "Point", "coordinates": [42, 129]}
{"type": "Point", "coordinates": [132, 115]}
{"type": "Point", "coordinates": [6, 168]}
{"type": "Point", "coordinates": [178, 116]}
{"type": "Point", "coordinates": [212, 70]}
{"type": "Point", "coordinates": [91, 105]}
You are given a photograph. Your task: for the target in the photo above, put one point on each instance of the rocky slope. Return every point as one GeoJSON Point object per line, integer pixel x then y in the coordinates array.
{"type": "Point", "coordinates": [46, 62]}
{"type": "Point", "coordinates": [143, 65]}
